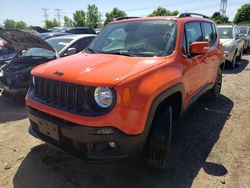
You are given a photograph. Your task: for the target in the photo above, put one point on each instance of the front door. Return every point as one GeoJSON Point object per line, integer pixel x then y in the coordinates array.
{"type": "Point", "coordinates": [195, 74]}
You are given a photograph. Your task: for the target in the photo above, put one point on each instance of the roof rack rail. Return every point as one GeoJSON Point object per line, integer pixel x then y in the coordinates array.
{"type": "Point", "coordinates": [125, 18]}
{"type": "Point", "coordinates": [189, 14]}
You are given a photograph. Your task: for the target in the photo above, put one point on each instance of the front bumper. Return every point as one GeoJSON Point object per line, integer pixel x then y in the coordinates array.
{"type": "Point", "coordinates": [83, 142]}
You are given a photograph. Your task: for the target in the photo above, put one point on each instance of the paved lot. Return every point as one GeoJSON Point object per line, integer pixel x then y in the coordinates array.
{"type": "Point", "coordinates": [211, 148]}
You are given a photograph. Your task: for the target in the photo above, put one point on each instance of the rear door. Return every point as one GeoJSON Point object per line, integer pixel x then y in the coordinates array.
{"type": "Point", "coordinates": [195, 69]}
{"type": "Point", "coordinates": [211, 58]}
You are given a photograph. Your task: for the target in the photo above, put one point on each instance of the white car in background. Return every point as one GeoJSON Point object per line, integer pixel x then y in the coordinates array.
{"type": "Point", "coordinates": [232, 42]}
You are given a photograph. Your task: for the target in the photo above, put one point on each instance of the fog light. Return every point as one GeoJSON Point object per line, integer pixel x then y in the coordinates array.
{"type": "Point", "coordinates": [112, 144]}
{"type": "Point", "coordinates": [105, 131]}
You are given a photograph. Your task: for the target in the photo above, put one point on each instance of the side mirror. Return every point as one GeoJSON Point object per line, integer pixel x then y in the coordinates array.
{"type": "Point", "coordinates": [198, 48]}
{"type": "Point", "coordinates": [70, 51]}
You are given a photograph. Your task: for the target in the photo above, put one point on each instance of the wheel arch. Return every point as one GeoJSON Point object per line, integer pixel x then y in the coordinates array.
{"type": "Point", "coordinates": [173, 95]}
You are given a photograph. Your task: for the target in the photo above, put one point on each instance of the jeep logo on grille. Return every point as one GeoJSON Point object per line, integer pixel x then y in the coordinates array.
{"type": "Point", "coordinates": [58, 73]}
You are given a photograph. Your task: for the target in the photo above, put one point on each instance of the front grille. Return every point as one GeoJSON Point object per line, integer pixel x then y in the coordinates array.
{"type": "Point", "coordinates": [60, 94]}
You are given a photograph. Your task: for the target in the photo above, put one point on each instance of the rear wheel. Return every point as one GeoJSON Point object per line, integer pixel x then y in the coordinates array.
{"type": "Point", "coordinates": [214, 93]}
{"type": "Point", "coordinates": [159, 140]}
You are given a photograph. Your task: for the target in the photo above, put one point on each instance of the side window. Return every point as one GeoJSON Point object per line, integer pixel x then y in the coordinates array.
{"type": "Point", "coordinates": [215, 35]}
{"type": "Point", "coordinates": [208, 33]}
{"type": "Point", "coordinates": [81, 44]}
{"type": "Point", "coordinates": [193, 33]}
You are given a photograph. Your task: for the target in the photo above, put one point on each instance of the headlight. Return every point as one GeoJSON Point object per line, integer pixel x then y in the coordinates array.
{"type": "Point", "coordinates": [103, 96]}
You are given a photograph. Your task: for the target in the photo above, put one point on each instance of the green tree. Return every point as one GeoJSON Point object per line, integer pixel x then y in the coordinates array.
{"type": "Point", "coordinates": [218, 18]}
{"type": "Point", "coordinates": [160, 11]}
{"type": "Point", "coordinates": [79, 18]}
{"type": "Point", "coordinates": [243, 14]}
{"type": "Point", "coordinates": [51, 23]}
{"type": "Point", "coordinates": [114, 14]}
{"type": "Point", "coordinates": [21, 25]}
{"type": "Point", "coordinates": [93, 17]}
{"type": "Point", "coordinates": [68, 22]}
{"type": "Point", "coordinates": [9, 23]}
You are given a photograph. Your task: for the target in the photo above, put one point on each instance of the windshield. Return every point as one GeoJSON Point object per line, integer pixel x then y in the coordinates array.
{"type": "Point", "coordinates": [136, 38]}
{"type": "Point", "coordinates": [57, 43]}
{"type": "Point", "coordinates": [225, 32]}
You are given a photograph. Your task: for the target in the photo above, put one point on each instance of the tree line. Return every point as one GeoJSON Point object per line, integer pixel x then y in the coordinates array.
{"type": "Point", "coordinates": [93, 18]}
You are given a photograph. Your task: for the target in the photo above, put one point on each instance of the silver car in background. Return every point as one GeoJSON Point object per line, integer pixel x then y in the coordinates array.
{"type": "Point", "coordinates": [245, 31]}
{"type": "Point", "coordinates": [232, 42]}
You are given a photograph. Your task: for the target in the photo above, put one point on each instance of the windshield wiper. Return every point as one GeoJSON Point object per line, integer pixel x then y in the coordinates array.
{"type": "Point", "coordinates": [120, 53]}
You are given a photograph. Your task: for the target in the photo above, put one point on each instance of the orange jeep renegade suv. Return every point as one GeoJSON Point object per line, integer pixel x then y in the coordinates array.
{"type": "Point", "coordinates": [124, 92]}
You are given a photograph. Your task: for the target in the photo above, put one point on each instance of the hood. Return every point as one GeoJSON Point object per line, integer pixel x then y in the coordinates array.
{"type": "Point", "coordinates": [21, 40]}
{"type": "Point", "coordinates": [95, 69]}
{"type": "Point", "coordinates": [226, 42]}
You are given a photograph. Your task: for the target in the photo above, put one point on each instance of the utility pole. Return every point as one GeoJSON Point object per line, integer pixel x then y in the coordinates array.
{"type": "Point", "coordinates": [58, 15]}
{"type": "Point", "coordinates": [223, 7]}
{"type": "Point", "coordinates": [45, 10]}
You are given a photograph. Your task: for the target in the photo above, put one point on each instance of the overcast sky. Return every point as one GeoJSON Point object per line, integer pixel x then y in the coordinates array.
{"type": "Point", "coordinates": [30, 10]}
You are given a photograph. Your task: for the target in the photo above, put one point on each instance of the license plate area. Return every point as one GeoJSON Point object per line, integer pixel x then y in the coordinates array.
{"type": "Point", "coordinates": [48, 128]}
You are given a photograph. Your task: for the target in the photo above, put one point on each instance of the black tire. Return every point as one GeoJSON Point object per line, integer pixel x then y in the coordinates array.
{"type": "Point", "coordinates": [233, 62]}
{"type": "Point", "coordinates": [159, 140]}
{"type": "Point", "coordinates": [214, 93]}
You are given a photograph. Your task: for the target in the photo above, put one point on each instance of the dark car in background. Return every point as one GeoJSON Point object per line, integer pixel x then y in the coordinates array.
{"type": "Point", "coordinates": [74, 30]}
{"type": "Point", "coordinates": [15, 74]}
{"type": "Point", "coordinates": [48, 35]}
{"type": "Point", "coordinates": [245, 31]}
{"type": "Point", "coordinates": [71, 30]}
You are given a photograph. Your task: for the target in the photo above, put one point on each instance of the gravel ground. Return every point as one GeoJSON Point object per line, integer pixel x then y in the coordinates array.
{"type": "Point", "coordinates": [211, 148]}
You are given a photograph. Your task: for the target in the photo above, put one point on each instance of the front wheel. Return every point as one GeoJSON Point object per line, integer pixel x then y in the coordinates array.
{"type": "Point", "coordinates": [159, 140]}
{"type": "Point", "coordinates": [214, 93]}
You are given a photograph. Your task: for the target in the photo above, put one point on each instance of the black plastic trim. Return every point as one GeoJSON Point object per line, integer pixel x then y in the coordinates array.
{"type": "Point", "coordinates": [72, 134]}
{"type": "Point", "coordinates": [161, 97]}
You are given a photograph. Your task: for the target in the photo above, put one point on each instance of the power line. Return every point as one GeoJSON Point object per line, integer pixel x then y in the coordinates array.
{"type": "Point", "coordinates": [223, 7]}
{"type": "Point", "coordinates": [45, 10]}
{"type": "Point", "coordinates": [58, 15]}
